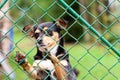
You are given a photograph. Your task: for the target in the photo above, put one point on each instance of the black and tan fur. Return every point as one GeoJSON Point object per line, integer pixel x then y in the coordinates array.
{"type": "Point", "coordinates": [51, 57]}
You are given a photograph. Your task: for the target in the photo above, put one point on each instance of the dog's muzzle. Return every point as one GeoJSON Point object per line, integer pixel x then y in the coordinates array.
{"type": "Point", "coordinates": [39, 40]}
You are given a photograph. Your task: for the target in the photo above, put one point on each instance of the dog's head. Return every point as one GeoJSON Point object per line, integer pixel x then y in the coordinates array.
{"type": "Point", "coordinates": [47, 34]}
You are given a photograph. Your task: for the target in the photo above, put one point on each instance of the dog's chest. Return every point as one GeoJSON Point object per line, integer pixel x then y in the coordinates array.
{"type": "Point", "coordinates": [44, 64]}
{"type": "Point", "coordinates": [54, 50]}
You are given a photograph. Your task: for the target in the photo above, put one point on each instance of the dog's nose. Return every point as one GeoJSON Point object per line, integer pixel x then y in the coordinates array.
{"type": "Point", "coordinates": [39, 40]}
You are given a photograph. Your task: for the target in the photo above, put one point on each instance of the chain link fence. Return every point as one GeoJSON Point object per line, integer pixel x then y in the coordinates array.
{"type": "Point", "coordinates": [92, 36]}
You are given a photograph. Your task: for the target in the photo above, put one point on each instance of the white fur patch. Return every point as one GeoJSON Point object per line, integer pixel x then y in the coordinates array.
{"type": "Point", "coordinates": [64, 62]}
{"type": "Point", "coordinates": [47, 64]}
{"type": "Point", "coordinates": [54, 50]}
{"type": "Point", "coordinates": [44, 64]}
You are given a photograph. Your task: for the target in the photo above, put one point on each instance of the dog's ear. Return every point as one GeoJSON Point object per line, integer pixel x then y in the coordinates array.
{"type": "Point", "coordinates": [62, 23]}
{"type": "Point", "coordinates": [29, 30]}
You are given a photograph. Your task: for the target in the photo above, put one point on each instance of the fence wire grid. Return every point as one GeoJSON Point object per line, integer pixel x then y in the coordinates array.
{"type": "Point", "coordinates": [91, 38]}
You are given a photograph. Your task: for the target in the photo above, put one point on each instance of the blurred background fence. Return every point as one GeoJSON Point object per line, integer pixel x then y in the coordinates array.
{"type": "Point", "coordinates": [95, 58]}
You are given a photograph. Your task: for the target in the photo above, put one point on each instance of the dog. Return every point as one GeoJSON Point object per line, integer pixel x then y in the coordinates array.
{"type": "Point", "coordinates": [51, 60]}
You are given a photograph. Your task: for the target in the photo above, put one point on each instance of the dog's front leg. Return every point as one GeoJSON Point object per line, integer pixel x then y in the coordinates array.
{"type": "Point", "coordinates": [20, 58]}
{"type": "Point", "coordinates": [29, 69]}
{"type": "Point", "coordinates": [59, 69]}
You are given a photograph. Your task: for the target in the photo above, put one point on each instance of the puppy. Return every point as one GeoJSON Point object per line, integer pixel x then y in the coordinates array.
{"type": "Point", "coordinates": [51, 60]}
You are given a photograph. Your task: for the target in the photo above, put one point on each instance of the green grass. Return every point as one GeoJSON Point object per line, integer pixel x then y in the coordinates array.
{"type": "Point", "coordinates": [92, 60]}
{"type": "Point", "coordinates": [93, 63]}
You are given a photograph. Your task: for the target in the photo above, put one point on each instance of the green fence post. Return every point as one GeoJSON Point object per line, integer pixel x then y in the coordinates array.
{"type": "Point", "coordinates": [76, 15]}
{"type": "Point", "coordinates": [2, 3]}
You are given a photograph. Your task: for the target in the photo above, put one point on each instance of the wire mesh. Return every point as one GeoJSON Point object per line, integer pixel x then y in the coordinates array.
{"type": "Point", "coordinates": [92, 36]}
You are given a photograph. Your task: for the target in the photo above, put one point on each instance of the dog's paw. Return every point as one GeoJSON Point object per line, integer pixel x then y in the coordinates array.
{"type": "Point", "coordinates": [20, 58]}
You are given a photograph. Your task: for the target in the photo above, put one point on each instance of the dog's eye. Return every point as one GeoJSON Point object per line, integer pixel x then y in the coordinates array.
{"type": "Point", "coordinates": [48, 33]}
{"type": "Point", "coordinates": [36, 35]}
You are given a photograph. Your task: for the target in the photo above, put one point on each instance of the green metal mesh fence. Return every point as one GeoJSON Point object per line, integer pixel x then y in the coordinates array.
{"type": "Point", "coordinates": [92, 37]}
